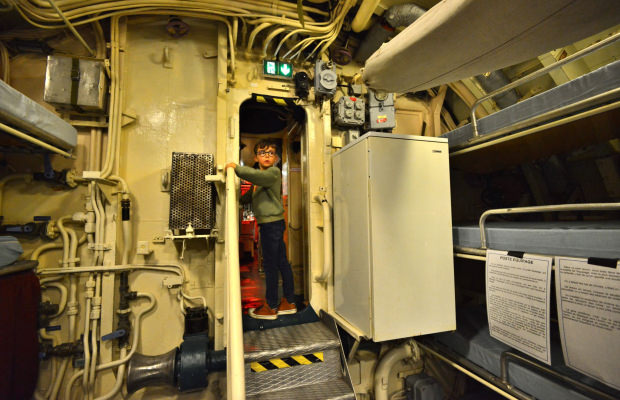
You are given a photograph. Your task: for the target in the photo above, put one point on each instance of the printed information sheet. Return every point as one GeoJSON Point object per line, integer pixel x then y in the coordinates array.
{"type": "Point", "coordinates": [588, 298]}
{"type": "Point", "coordinates": [518, 301]}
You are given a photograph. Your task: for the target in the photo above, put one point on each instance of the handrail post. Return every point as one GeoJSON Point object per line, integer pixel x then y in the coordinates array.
{"type": "Point", "coordinates": [235, 374]}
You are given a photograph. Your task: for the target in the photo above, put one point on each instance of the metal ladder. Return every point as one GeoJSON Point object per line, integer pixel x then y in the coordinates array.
{"type": "Point", "coordinates": [304, 362]}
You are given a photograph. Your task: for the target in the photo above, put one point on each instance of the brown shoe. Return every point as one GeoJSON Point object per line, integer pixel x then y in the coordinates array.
{"type": "Point", "coordinates": [286, 308]}
{"type": "Point", "coordinates": [263, 312]}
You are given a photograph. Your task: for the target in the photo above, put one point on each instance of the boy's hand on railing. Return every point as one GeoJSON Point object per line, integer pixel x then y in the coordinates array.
{"type": "Point", "coordinates": [231, 165]}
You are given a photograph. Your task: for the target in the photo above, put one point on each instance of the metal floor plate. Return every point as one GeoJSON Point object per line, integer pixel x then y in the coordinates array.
{"type": "Point", "coordinates": [288, 340]}
{"type": "Point", "coordinates": [299, 375]}
{"type": "Point", "coordinates": [336, 389]}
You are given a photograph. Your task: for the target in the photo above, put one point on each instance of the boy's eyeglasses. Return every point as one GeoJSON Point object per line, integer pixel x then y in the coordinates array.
{"type": "Point", "coordinates": [266, 153]}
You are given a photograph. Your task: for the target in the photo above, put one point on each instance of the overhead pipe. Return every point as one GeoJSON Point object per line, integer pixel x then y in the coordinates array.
{"type": "Point", "coordinates": [72, 28]}
{"type": "Point", "coordinates": [367, 8]}
{"type": "Point", "coordinates": [395, 17]}
{"type": "Point", "coordinates": [376, 36]}
{"type": "Point", "coordinates": [403, 14]}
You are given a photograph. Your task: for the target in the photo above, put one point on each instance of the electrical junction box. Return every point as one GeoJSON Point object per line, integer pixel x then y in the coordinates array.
{"type": "Point", "coordinates": [381, 118]}
{"type": "Point", "coordinates": [380, 99]}
{"type": "Point", "coordinates": [325, 78]}
{"type": "Point", "coordinates": [75, 84]}
{"type": "Point", "coordinates": [393, 265]}
{"type": "Point", "coordinates": [349, 111]}
{"type": "Point", "coordinates": [381, 113]}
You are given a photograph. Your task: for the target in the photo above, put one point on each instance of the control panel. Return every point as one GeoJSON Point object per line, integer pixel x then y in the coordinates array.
{"type": "Point", "coordinates": [380, 110]}
{"type": "Point", "coordinates": [349, 111]}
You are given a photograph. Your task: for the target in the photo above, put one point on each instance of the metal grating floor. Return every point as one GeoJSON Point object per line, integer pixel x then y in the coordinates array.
{"type": "Point", "coordinates": [300, 375]}
{"type": "Point", "coordinates": [295, 339]}
{"type": "Point", "coordinates": [191, 196]}
{"type": "Point", "coordinates": [336, 389]}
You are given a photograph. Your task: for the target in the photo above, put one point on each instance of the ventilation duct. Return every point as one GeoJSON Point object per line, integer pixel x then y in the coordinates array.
{"type": "Point", "coordinates": [495, 80]}
{"type": "Point", "coordinates": [395, 17]}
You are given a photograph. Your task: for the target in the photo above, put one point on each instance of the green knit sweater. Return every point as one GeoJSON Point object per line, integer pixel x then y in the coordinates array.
{"type": "Point", "coordinates": [266, 199]}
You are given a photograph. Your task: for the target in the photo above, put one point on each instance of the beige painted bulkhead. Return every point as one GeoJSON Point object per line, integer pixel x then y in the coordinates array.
{"type": "Point", "coordinates": [183, 102]}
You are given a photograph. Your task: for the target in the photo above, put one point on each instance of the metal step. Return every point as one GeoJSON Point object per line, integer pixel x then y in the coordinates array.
{"type": "Point", "coordinates": [288, 340]}
{"type": "Point", "coordinates": [280, 378]}
{"type": "Point", "coordinates": [296, 362]}
{"type": "Point", "coordinates": [336, 389]}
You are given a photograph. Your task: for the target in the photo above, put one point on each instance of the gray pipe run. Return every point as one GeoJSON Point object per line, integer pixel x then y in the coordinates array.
{"type": "Point", "coordinates": [403, 14]}
{"type": "Point", "coordinates": [396, 16]}
{"type": "Point", "coordinates": [494, 81]}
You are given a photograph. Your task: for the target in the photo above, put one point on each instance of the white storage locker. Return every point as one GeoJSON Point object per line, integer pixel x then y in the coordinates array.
{"type": "Point", "coordinates": [393, 266]}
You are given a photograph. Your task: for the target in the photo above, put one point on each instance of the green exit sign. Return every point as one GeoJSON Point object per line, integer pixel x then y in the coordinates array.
{"type": "Point", "coordinates": [277, 69]}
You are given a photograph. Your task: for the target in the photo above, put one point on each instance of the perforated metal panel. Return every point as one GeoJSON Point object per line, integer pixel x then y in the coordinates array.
{"type": "Point", "coordinates": [191, 196]}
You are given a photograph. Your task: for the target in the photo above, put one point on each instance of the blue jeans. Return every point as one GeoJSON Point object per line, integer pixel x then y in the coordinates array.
{"type": "Point", "coordinates": [274, 260]}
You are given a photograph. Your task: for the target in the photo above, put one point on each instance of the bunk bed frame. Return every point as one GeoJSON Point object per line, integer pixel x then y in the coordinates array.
{"type": "Point", "coordinates": [528, 123]}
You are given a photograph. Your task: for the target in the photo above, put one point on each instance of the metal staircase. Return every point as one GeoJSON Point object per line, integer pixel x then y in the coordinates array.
{"type": "Point", "coordinates": [302, 361]}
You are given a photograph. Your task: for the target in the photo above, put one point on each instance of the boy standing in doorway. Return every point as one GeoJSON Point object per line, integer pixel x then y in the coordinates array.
{"type": "Point", "coordinates": [269, 212]}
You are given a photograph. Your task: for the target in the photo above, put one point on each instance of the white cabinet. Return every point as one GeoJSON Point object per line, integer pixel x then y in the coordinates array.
{"type": "Point", "coordinates": [393, 266]}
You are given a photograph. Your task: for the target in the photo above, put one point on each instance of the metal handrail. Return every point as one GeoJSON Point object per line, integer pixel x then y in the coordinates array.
{"type": "Point", "coordinates": [537, 74]}
{"type": "Point", "coordinates": [235, 373]}
{"type": "Point", "coordinates": [560, 116]}
{"type": "Point", "coordinates": [537, 209]}
{"type": "Point", "coordinates": [504, 374]}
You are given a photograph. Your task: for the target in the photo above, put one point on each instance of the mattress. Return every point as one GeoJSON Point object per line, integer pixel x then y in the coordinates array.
{"type": "Point", "coordinates": [576, 238]}
{"type": "Point", "coordinates": [473, 341]}
{"type": "Point", "coordinates": [594, 83]}
{"type": "Point", "coordinates": [30, 117]}
{"type": "Point", "coordinates": [10, 250]}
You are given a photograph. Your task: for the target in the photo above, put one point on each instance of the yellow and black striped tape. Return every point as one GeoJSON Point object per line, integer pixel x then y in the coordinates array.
{"type": "Point", "coordinates": [286, 362]}
{"type": "Point", "coordinates": [280, 101]}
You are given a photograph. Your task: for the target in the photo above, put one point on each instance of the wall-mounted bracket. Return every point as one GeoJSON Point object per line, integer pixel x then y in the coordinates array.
{"type": "Point", "coordinates": [219, 181]}
{"type": "Point", "coordinates": [189, 235]}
